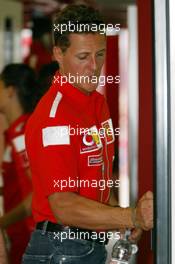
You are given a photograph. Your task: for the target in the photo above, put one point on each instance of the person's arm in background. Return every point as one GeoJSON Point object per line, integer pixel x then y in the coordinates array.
{"type": "Point", "coordinates": [3, 127]}
{"type": "Point", "coordinates": [20, 212]}
{"type": "Point", "coordinates": [1, 138]}
{"type": "Point", "coordinates": [3, 250]}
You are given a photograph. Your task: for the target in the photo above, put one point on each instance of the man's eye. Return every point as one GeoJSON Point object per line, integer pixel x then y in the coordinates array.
{"type": "Point", "coordinates": [100, 54]}
{"type": "Point", "coordinates": [82, 58]}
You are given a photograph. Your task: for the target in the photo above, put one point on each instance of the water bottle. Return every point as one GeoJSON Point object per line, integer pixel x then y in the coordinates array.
{"type": "Point", "coordinates": [123, 250]}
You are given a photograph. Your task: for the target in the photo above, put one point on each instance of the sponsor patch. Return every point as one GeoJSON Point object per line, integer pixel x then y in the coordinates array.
{"type": "Point", "coordinates": [109, 131]}
{"type": "Point", "coordinates": [95, 160]}
{"type": "Point", "coordinates": [55, 135]}
{"type": "Point", "coordinates": [91, 140]}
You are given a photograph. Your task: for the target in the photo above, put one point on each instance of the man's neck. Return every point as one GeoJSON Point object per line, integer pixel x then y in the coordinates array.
{"type": "Point", "coordinates": [75, 85]}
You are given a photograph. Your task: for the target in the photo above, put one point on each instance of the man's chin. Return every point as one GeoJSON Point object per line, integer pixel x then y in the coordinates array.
{"type": "Point", "coordinates": [87, 87]}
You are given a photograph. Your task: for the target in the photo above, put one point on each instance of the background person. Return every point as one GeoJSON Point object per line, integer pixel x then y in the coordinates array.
{"type": "Point", "coordinates": [3, 127]}
{"type": "Point", "coordinates": [18, 97]}
{"type": "Point", "coordinates": [3, 250]}
{"type": "Point", "coordinates": [41, 45]}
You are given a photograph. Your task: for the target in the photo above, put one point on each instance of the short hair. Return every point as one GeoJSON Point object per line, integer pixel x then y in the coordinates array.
{"type": "Point", "coordinates": [75, 14]}
{"type": "Point", "coordinates": [23, 79]}
{"type": "Point", "coordinates": [46, 75]}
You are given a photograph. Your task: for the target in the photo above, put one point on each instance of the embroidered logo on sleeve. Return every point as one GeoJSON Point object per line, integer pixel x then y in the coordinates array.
{"type": "Point", "coordinates": [109, 131]}
{"type": "Point", "coordinates": [55, 135]}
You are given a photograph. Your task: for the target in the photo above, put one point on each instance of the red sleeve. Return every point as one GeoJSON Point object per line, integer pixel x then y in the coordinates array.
{"type": "Point", "coordinates": [19, 151]}
{"type": "Point", "coordinates": [58, 162]}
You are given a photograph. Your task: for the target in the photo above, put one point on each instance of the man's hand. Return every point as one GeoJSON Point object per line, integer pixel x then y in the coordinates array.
{"type": "Point", "coordinates": [136, 235]}
{"type": "Point", "coordinates": [144, 212]}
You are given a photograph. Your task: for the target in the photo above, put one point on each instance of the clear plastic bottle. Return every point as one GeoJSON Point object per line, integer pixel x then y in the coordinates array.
{"type": "Point", "coordinates": [123, 250]}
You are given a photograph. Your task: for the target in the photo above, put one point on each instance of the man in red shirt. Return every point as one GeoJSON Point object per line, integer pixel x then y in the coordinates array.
{"type": "Point", "coordinates": [69, 140]}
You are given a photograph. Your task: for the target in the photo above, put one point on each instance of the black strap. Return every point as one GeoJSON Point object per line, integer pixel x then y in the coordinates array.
{"type": "Point", "coordinates": [87, 234]}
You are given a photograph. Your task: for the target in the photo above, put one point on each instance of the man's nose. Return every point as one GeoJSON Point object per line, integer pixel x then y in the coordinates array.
{"type": "Point", "coordinates": [93, 63]}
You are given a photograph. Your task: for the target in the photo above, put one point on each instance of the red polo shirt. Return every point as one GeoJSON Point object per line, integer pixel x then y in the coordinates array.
{"type": "Point", "coordinates": [17, 185]}
{"type": "Point", "coordinates": [68, 147]}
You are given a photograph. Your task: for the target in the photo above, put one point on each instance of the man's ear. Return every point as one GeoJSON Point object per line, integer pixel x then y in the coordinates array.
{"type": "Point", "coordinates": [58, 54]}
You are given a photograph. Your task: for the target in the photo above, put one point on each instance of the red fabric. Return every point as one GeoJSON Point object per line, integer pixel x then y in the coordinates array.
{"type": "Point", "coordinates": [82, 159]}
{"type": "Point", "coordinates": [43, 56]}
{"type": "Point", "coordinates": [146, 160]}
{"type": "Point", "coordinates": [19, 243]}
{"type": "Point", "coordinates": [17, 185]}
{"type": "Point", "coordinates": [112, 91]}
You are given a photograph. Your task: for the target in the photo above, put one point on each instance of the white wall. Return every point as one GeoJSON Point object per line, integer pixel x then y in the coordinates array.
{"type": "Point", "coordinates": [13, 10]}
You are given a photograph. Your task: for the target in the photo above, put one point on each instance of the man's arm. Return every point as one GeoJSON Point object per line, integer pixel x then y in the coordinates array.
{"type": "Point", "coordinates": [75, 210]}
{"type": "Point", "coordinates": [18, 213]}
{"type": "Point", "coordinates": [112, 199]}
{"type": "Point", "coordinates": [21, 211]}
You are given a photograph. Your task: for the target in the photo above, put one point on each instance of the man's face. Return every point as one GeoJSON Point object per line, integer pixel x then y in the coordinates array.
{"type": "Point", "coordinates": [84, 57]}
